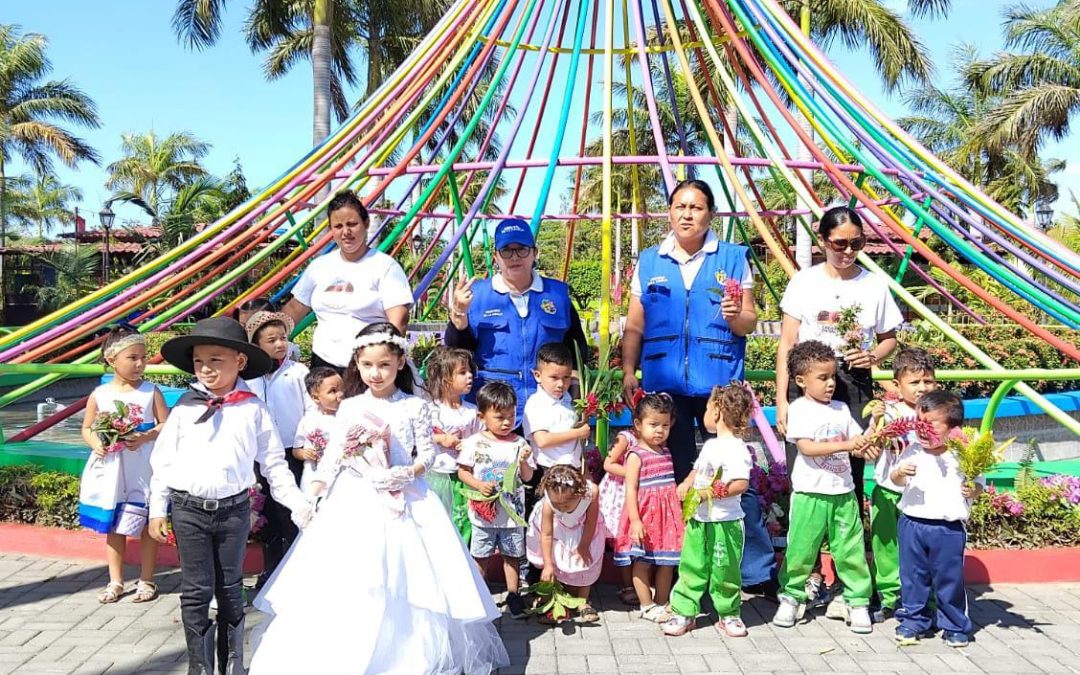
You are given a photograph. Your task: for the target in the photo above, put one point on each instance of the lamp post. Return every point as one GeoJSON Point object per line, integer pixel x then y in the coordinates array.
{"type": "Point", "coordinates": [1044, 217]}
{"type": "Point", "coordinates": [107, 217]}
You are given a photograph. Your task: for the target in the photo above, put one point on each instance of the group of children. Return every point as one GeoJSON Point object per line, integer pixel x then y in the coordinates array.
{"type": "Point", "coordinates": [356, 447]}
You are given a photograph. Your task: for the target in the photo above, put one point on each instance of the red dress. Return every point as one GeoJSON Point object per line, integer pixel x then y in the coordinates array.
{"type": "Point", "coordinates": [660, 511]}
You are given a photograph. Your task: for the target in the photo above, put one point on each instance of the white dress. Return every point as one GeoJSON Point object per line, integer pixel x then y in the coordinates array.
{"type": "Point", "coordinates": [367, 588]}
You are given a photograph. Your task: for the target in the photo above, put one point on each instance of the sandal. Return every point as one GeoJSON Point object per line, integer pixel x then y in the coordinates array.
{"type": "Point", "coordinates": [588, 615]}
{"type": "Point", "coordinates": [145, 591]}
{"type": "Point", "coordinates": [656, 614]}
{"type": "Point", "coordinates": [629, 596]}
{"type": "Point", "coordinates": [112, 593]}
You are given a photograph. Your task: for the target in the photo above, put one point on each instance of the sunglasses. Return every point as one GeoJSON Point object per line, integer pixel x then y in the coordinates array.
{"type": "Point", "coordinates": [841, 245]}
{"type": "Point", "coordinates": [518, 251]}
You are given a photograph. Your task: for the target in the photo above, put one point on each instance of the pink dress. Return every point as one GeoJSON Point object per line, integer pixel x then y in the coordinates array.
{"type": "Point", "coordinates": [570, 569]}
{"type": "Point", "coordinates": [660, 511]}
{"type": "Point", "coordinates": [612, 490]}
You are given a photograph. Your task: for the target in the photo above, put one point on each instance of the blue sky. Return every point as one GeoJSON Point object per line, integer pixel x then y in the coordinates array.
{"type": "Point", "coordinates": [124, 55]}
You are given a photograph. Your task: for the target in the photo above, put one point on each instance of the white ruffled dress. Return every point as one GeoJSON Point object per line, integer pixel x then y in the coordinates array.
{"type": "Point", "coordinates": [371, 588]}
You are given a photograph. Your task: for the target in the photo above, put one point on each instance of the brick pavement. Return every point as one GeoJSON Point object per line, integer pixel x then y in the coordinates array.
{"type": "Point", "coordinates": [51, 622]}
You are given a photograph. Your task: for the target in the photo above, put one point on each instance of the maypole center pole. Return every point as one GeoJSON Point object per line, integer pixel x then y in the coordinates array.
{"type": "Point", "coordinates": [605, 224]}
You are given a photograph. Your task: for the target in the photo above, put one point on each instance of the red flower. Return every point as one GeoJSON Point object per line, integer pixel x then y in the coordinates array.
{"type": "Point", "coordinates": [733, 290]}
{"type": "Point", "coordinates": [485, 510]}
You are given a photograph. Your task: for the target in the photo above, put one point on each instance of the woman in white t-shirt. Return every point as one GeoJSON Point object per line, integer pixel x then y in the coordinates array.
{"type": "Point", "coordinates": [811, 305]}
{"type": "Point", "coordinates": [350, 287]}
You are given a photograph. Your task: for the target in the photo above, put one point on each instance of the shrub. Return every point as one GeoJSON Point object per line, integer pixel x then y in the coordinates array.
{"type": "Point", "coordinates": [30, 495]}
{"type": "Point", "coordinates": [1040, 514]}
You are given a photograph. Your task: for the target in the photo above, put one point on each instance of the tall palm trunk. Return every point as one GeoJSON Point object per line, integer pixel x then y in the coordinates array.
{"type": "Point", "coordinates": [3, 204]}
{"type": "Point", "coordinates": [322, 17]}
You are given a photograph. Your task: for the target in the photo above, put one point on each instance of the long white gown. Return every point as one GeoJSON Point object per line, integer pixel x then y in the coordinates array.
{"type": "Point", "coordinates": [374, 584]}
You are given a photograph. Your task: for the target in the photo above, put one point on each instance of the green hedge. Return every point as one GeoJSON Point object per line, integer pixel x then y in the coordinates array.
{"type": "Point", "coordinates": [30, 495]}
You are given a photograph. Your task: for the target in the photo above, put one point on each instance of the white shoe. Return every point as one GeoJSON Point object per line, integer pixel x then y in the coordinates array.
{"type": "Point", "coordinates": [789, 612]}
{"type": "Point", "coordinates": [837, 609]}
{"type": "Point", "coordinates": [859, 620]}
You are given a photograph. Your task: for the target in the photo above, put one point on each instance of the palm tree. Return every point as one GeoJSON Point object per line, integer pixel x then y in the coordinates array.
{"type": "Point", "coordinates": [1041, 84]}
{"type": "Point", "coordinates": [31, 108]}
{"type": "Point", "coordinates": [76, 275]}
{"type": "Point", "coordinates": [45, 203]}
{"type": "Point", "coordinates": [153, 169]}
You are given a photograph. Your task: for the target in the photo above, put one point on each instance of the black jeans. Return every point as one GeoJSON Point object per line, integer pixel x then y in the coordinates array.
{"type": "Point", "coordinates": [682, 440]}
{"type": "Point", "coordinates": [211, 545]}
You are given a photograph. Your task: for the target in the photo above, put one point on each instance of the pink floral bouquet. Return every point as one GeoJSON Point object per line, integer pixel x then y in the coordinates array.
{"type": "Point", "coordinates": [317, 440]}
{"type": "Point", "coordinates": [114, 427]}
{"type": "Point", "coordinates": [847, 325]}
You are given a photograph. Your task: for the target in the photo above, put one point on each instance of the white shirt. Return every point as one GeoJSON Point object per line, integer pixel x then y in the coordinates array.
{"type": "Point", "coordinates": [312, 421]}
{"type": "Point", "coordinates": [814, 298]}
{"type": "Point", "coordinates": [461, 421]}
{"type": "Point", "coordinates": [823, 474]}
{"type": "Point", "coordinates": [347, 296]}
{"type": "Point", "coordinates": [544, 412]}
{"type": "Point", "coordinates": [731, 458]}
{"type": "Point", "coordinates": [520, 300]}
{"type": "Point", "coordinates": [934, 491]}
{"type": "Point", "coordinates": [284, 393]}
{"type": "Point", "coordinates": [216, 459]}
{"type": "Point", "coordinates": [490, 460]}
{"type": "Point", "coordinates": [689, 267]}
{"type": "Point", "coordinates": [887, 461]}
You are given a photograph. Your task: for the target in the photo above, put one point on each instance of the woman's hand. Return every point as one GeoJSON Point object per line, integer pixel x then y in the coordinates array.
{"type": "Point", "coordinates": [463, 296]}
{"type": "Point", "coordinates": [729, 309]}
{"type": "Point", "coordinates": [781, 416]}
{"type": "Point", "coordinates": [630, 385]}
{"type": "Point", "coordinates": [857, 358]}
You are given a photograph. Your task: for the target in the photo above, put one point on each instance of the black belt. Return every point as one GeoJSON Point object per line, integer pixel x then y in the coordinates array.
{"type": "Point", "coordinates": [188, 499]}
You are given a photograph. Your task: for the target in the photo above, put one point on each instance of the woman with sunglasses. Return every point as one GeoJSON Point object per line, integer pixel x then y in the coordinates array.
{"type": "Point", "coordinates": [504, 320]}
{"type": "Point", "coordinates": [349, 288]}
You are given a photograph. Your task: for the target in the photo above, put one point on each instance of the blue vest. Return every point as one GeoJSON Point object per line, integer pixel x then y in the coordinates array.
{"type": "Point", "coordinates": [506, 343]}
{"type": "Point", "coordinates": [688, 348]}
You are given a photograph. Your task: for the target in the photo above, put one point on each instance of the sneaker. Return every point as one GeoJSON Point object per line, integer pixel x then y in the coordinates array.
{"type": "Point", "coordinates": [732, 626]}
{"type": "Point", "coordinates": [677, 625]}
{"type": "Point", "coordinates": [956, 639]}
{"type": "Point", "coordinates": [859, 620]}
{"type": "Point", "coordinates": [882, 614]}
{"type": "Point", "coordinates": [905, 637]}
{"type": "Point", "coordinates": [837, 609]}
{"type": "Point", "coordinates": [789, 612]}
{"type": "Point", "coordinates": [515, 606]}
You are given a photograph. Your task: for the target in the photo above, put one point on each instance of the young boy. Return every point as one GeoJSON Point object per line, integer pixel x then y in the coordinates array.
{"type": "Point", "coordinates": [823, 499]}
{"type": "Point", "coordinates": [551, 424]}
{"type": "Point", "coordinates": [497, 517]}
{"type": "Point", "coordinates": [204, 465]}
{"type": "Point", "coordinates": [250, 308]}
{"type": "Point", "coordinates": [935, 504]}
{"type": "Point", "coordinates": [326, 389]}
{"type": "Point", "coordinates": [913, 376]}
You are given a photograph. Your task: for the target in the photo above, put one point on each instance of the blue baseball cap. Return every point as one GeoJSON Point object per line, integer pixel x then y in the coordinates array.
{"type": "Point", "coordinates": [513, 231]}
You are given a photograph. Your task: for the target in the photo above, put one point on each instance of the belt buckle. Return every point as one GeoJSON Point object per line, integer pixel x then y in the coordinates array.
{"type": "Point", "coordinates": [210, 505]}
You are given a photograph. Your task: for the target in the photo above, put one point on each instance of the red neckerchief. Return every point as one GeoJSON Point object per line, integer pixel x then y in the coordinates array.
{"type": "Point", "coordinates": [215, 403]}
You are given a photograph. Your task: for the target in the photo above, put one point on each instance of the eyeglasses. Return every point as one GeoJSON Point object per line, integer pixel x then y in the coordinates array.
{"type": "Point", "coordinates": [518, 251]}
{"type": "Point", "coordinates": [841, 245]}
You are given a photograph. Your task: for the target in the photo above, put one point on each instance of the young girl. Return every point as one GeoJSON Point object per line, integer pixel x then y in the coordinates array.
{"type": "Point", "coordinates": [612, 496]}
{"type": "Point", "coordinates": [566, 534]}
{"type": "Point", "coordinates": [449, 379]}
{"type": "Point", "coordinates": [325, 388]}
{"type": "Point", "coordinates": [651, 524]}
{"type": "Point", "coordinates": [712, 551]}
{"type": "Point", "coordinates": [380, 581]}
{"type": "Point", "coordinates": [115, 484]}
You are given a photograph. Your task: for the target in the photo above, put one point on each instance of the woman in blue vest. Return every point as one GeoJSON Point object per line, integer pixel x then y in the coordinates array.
{"type": "Point", "coordinates": [688, 337]}
{"type": "Point", "coordinates": [504, 320]}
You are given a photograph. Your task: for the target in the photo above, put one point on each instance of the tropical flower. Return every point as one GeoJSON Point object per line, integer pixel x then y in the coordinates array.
{"type": "Point", "coordinates": [113, 427]}
{"type": "Point", "coordinates": [975, 451]}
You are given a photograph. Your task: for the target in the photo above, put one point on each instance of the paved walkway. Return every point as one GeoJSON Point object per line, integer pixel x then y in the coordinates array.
{"type": "Point", "coordinates": [51, 622]}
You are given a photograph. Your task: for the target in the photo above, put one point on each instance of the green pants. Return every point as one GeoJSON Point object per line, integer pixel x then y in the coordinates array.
{"type": "Point", "coordinates": [711, 561]}
{"type": "Point", "coordinates": [448, 488]}
{"type": "Point", "coordinates": [884, 516]}
{"type": "Point", "coordinates": [812, 517]}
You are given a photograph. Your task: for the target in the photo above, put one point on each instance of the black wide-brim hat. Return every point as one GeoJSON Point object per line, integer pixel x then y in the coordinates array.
{"type": "Point", "coordinates": [221, 331]}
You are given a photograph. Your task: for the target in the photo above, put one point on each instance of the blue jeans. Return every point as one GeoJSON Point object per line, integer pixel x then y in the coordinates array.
{"type": "Point", "coordinates": [759, 559]}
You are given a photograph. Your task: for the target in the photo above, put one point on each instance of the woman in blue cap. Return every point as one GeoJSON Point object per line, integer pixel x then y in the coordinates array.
{"type": "Point", "coordinates": [505, 319]}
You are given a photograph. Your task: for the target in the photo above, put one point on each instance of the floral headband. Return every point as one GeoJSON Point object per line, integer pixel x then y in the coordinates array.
{"type": "Point", "coordinates": [123, 343]}
{"type": "Point", "coordinates": [379, 339]}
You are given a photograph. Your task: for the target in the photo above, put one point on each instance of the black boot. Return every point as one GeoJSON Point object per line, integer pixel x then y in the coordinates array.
{"type": "Point", "coordinates": [230, 646]}
{"type": "Point", "coordinates": [200, 649]}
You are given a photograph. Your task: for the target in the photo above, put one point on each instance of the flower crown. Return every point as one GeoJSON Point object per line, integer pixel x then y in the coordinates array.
{"type": "Point", "coordinates": [123, 343]}
{"type": "Point", "coordinates": [379, 339]}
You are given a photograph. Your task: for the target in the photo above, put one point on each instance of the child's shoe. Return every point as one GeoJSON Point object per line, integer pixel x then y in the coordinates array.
{"type": "Point", "coordinates": [956, 639]}
{"type": "Point", "coordinates": [882, 614]}
{"type": "Point", "coordinates": [655, 613]}
{"type": "Point", "coordinates": [732, 626]}
{"type": "Point", "coordinates": [905, 637]}
{"type": "Point", "coordinates": [678, 625]}
{"type": "Point", "coordinates": [588, 614]}
{"type": "Point", "coordinates": [837, 609]}
{"type": "Point", "coordinates": [789, 612]}
{"type": "Point", "coordinates": [515, 606]}
{"type": "Point", "coordinates": [859, 620]}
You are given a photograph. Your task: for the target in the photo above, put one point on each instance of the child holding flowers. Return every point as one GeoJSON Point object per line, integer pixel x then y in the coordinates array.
{"type": "Point", "coordinates": [122, 420]}
{"type": "Point", "coordinates": [380, 579]}
{"type": "Point", "coordinates": [712, 548]}
{"type": "Point", "coordinates": [326, 389]}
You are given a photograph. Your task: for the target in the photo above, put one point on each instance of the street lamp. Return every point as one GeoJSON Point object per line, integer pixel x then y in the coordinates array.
{"type": "Point", "coordinates": [1044, 217]}
{"type": "Point", "coordinates": [107, 217]}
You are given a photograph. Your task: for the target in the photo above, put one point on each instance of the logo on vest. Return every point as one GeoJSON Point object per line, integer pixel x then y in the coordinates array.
{"type": "Point", "coordinates": [492, 312]}
{"type": "Point", "coordinates": [654, 281]}
{"type": "Point", "coordinates": [548, 306]}
{"type": "Point", "coordinates": [720, 276]}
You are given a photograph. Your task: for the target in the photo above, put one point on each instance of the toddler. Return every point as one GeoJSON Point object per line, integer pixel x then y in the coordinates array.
{"type": "Point", "coordinates": [551, 424]}
{"type": "Point", "coordinates": [612, 497]}
{"type": "Point", "coordinates": [326, 389]}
